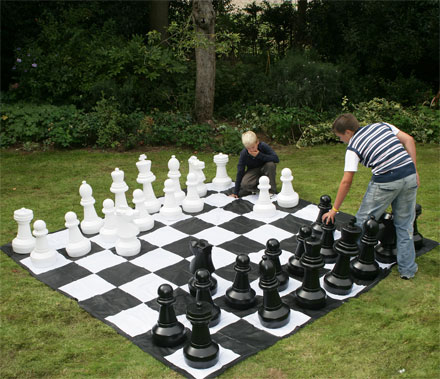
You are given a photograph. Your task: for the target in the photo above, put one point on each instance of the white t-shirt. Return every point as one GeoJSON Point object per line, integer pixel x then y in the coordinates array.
{"type": "Point", "coordinates": [352, 159]}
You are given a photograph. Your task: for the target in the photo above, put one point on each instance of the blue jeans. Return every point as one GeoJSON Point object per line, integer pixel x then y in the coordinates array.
{"type": "Point", "coordinates": [401, 194]}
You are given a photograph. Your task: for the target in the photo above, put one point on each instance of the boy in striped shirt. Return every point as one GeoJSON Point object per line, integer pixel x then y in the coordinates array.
{"type": "Point", "coordinates": [391, 154]}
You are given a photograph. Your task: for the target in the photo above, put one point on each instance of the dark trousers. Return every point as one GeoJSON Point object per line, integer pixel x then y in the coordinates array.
{"type": "Point", "coordinates": [250, 179]}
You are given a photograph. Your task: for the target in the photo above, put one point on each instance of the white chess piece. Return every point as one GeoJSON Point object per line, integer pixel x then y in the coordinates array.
{"type": "Point", "coordinates": [192, 202]}
{"type": "Point", "coordinates": [24, 243]}
{"type": "Point", "coordinates": [174, 175]}
{"type": "Point", "coordinates": [170, 209]}
{"type": "Point", "coordinates": [196, 166]}
{"type": "Point", "coordinates": [142, 219]}
{"type": "Point", "coordinates": [109, 230]}
{"type": "Point", "coordinates": [221, 181]}
{"type": "Point", "coordinates": [42, 255]}
{"type": "Point", "coordinates": [127, 244]}
{"type": "Point", "coordinates": [146, 178]}
{"type": "Point", "coordinates": [264, 206]}
{"type": "Point", "coordinates": [91, 222]}
{"type": "Point", "coordinates": [119, 187]}
{"type": "Point", "coordinates": [78, 245]}
{"type": "Point", "coordinates": [287, 198]}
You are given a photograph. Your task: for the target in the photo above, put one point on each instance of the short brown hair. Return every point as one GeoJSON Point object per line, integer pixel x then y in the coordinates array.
{"type": "Point", "coordinates": [346, 121]}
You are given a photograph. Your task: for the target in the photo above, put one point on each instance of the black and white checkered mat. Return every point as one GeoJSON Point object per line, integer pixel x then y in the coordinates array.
{"type": "Point", "coordinates": [122, 291]}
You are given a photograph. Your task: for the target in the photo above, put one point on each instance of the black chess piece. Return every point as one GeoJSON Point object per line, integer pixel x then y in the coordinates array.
{"type": "Point", "coordinates": [338, 281]}
{"type": "Point", "coordinates": [386, 249]}
{"type": "Point", "coordinates": [202, 285]}
{"type": "Point", "coordinates": [273, 252]}
{"type": "Point", "coordinates": [365, 266]}
{"type": "Point", "coordinates": [168, 332]}
{"type": "Point", "coordinates": [294, 265]}
{"type": "Point", "coordinates": [310, 295]}
{"type": "Point", "coordinates": [202, 252]}
{"type": "Point", "coordinates": [325, 204]}
{"type": "Point", "coordinates": [240, 295]}
{"type": "Point", "coordinates": [327, 242]}
{"type": "Point", "coordinates": [418, 238]}
{"type": "Point", "coordinates": [273, 313]}
{"type": "Point", "coordinates": [201, 352]}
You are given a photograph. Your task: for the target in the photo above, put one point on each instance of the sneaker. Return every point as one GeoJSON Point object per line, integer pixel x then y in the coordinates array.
{"type": "Point", "coordinates": [407, 277]}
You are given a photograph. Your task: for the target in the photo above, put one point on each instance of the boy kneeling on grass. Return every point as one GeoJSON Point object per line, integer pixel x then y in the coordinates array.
{"type": "Point", "coordinates": [256, 159]}
{"type": "Point", "coordinates": [391, 154]}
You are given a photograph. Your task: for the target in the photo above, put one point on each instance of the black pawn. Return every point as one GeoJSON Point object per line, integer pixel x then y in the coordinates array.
{"type": "Point", "coordinates": [338, 281]}
{"type": "Point", "coordinates": [365, 266]}
{"type": "Point", "coordinates": [273, 252]}
{"type": "Point", "coordinates": [168, 332]}
{"type": "Point", "coordinates": [202, 284]}
{"type": "Point", "coordinates": [310, 295]}
{"type": "Point", "coordinates": [201, 352]}
{"type": "Point", "coordinates": [294, 265]}
{"type": "Point", "coordinates": [386, 250]}
{"type": "Point", "coordinates": [274, 313]}
{"type": "Point", "coordinates": [327, 242]}
{"type": "Point", "coordinates": [418, 238]}
{"type": "Point", "coordinates": [324, 206]}
{"type": "Point", "coordinates": [241, 295]}
{"type": "Point", "coordinates": [202, 252]}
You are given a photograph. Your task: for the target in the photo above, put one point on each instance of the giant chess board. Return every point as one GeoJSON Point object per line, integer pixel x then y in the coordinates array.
{"type": "Point", "coordinates": [122, 291]}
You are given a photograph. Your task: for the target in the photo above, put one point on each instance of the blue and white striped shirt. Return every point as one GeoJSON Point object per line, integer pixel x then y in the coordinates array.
{"type": "Point", "coordinates": [377, 147]}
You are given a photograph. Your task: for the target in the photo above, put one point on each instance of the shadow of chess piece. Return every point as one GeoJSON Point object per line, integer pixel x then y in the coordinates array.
{"type": "Point", "coordinates": [294, 265]}
{"type": "Point", "coordinates": [327, 242]}
{"type": "Point", "coordinates": [310, 295]}
{"type": "Point", "coordinates": [338, 281]}
{"type": "Point", "coordinates": [273, 252]}
{"type": "Point", "coordinates": [202, 252]}
{"type": "Point", "coordinates": [201, 352]}
{"type": "Point", "coordinates": [168, 332]}
{"type": "Point", "coordinates": [365, 266]}
{"type": "Point", "coordinates": [240, 295]}
{"type": "Point", "coordinates": [386, 249]}
{"type": "Point", "coordinates": [418, 238]}
{"type": "Point", "coordinates": [324, 206]}
{"type": "Point", "coordinates": [202, 285]}
{"type": "Point", "coordinates": [273, 313]}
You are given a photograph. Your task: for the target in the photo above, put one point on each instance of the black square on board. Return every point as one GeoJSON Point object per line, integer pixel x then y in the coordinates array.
{"type": "Point", "coordinates": [192, 225]}
{"type": "Point", "coordinates": [122, 273]}
{"type": "Point", "coordinates": [242, 245]}
{"type": "Point", "coordinates": [241, 225]}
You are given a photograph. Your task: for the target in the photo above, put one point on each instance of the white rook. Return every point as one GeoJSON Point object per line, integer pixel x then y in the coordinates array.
{"type": "Point", "coordinates": [24, 242]}
{"type": "Point", "coordinates": [221, 181]}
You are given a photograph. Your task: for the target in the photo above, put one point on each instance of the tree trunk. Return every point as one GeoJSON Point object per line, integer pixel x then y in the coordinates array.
{"type": "Point", "coordinates": [301, 33]}
{"type": "Point", "coordinates": [158, 17]}
{"type": "Point", "coordinates": [204, 23]}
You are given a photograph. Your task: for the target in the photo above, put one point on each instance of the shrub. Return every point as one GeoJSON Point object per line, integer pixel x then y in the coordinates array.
{"type": "Point", "coordinates": [196, 137]}
{"type": "Point", "coordinates": [229, 139]}
{"type": "Point", "coordinates": [52, 125]}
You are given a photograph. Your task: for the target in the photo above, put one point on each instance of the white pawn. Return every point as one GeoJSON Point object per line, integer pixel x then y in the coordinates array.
{"type": "Point", "coordinates": [192, 202]}
{"type": "Point", "coordinates": [119, 187]}
{"type": "Point", "coordinates": [146, 177]}
{"type": "Point", "coordinates": [142, 219]}
{"type": "Point", "coordinates": [264, 206]}
{"type": "Point", "coordinates": [127, 244]}
{"type": "Point", "coordinates": [24, 242]}
{"type": "Point", "coordinates": [170, 209]}
{"type": "Point", "coordinates": [42, 256]}
{"type": "Point", "coordinates": [109, 230]}
{"type": "Point", "coordinates": [221, 181]}
{"type": "Point", "coordinates": [287, 198]}
{"type": "Point", "coordinates": [78, 245]}
{"type": "Point", "coordinates": [91, 222]}
{"type": "Point", "coordinates": [174, 175]}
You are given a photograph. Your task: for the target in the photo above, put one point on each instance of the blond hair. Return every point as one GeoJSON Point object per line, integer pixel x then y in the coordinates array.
{"type": "Point", "coordinates": [249, 138]}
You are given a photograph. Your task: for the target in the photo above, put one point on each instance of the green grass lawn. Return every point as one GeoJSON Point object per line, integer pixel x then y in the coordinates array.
{"type": "Point", "coordinates": [390, 331]}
